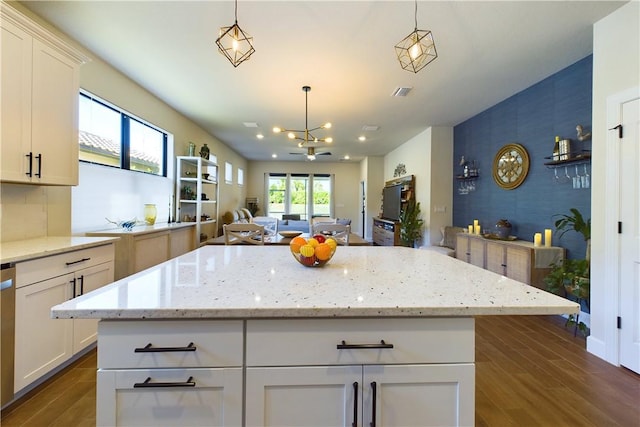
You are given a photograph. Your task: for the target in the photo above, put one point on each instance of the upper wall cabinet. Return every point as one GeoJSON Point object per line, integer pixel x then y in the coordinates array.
{"type": "Point", "coordinates": [39, 112]}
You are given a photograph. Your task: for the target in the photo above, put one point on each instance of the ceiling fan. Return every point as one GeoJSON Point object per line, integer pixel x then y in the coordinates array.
{"type": "Point", "coordinates": [311, 153]}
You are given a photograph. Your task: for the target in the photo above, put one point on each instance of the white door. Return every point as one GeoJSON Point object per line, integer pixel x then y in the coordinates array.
{"type": "Point", "coordinates": [319, 396]}
{"type": "Point", "coordinates": [630, 236]}
{"type": "Point", "coordinates": [419, 395]}
{"type": "Point", "coordinates": [42, 343]}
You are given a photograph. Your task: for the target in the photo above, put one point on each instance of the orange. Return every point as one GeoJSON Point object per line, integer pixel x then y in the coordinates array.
{"type": "Point", "coordinates": [295, 244]}
{"type": "Point", "coordinates": [323, 251]}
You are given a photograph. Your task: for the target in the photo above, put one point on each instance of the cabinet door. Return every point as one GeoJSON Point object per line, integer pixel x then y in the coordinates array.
{"type": "Point", "coordinates": [169, 397]}
{"type": "Point", "coordinates": [85, 331]}
{"type": "Point", "coordinates": [419, 395]}
{"type": "Point", "coordinates": [462, 248]}
{"type": "Point", "coordinates": [15, 110]}
{"type": "Point", "coordinates": [519, 264]}
{"type": "Point", "coordinates": [182, 241]}
{"type": "Point", "coordinates": [476, 252]}
{"type": "Point", "coordinates": [42, 343]}
{"type": "Point", "coordinates": [496, 258]}
{"type": "Point", "coordinates": [150, 250]}
{"type": "Point", "coordinates": [54, 116]}
{"type": "Point", "coordinates": [303, 396]}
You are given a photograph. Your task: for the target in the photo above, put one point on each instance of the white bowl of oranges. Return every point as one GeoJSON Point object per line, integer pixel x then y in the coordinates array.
{"type": "Point", "coordinates": [315, 251]}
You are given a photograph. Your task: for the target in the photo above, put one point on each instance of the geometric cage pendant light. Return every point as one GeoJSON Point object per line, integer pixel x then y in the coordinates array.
{"type": "Point", "coordinates": [234, 43]}
{"type": "Point", "coordinates": [417, 49]}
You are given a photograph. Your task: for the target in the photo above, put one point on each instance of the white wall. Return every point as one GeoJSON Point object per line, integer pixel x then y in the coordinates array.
{"type": "Point", "coordinates": [429, 157]}
{"type": "Point", "coordinates": [347, 184]}
{"type": "Point", "coordinates": [616, 67]}
{"type": "Point", "coordinates": [372, 173]}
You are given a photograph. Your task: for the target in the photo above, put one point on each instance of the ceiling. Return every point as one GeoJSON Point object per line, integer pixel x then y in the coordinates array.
{"type": "Point", "coordinates": [344, 50]}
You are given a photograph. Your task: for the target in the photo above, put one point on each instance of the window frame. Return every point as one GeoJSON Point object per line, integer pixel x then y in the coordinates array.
{"type": "Point", "coordinates": [286, 192]}
{"type": "Point", "coordinates": [125, 136]}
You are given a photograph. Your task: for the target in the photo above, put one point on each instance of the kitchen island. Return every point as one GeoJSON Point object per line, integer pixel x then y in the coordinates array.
{"type": "Point", "coordinates": [243, 335]}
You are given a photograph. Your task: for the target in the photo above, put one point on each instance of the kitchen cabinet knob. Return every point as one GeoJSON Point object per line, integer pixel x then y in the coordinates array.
{"type": "Point", "coordinates": [345, 346]}
{"type": "Point", "coordinates": [149, 348]}
{"type": "Point", "coordinates": [39, 173]}
{"type": "Point", "coordinates": [30, 157]}
{"type": "Point", "coordinates": [148, 384]}
{"type": "Point", "coordinates": [355, 405]}
{"type": "Point", "coordinates": [374, 389]}
{"type": "Point", "coordinates": [77, 262]}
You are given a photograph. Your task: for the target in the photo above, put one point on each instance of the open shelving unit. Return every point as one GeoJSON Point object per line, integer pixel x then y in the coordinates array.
{"type": "Point", "coordinates": [197, 194]}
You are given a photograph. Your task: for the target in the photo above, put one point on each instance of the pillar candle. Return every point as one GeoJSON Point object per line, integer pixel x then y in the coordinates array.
{"type": "Point", "coordinates": [475, 223]}
{"type": "Point", "coordinates": [476, 229]}
{"type": "Point", "coordinates": [470, 229]}
{"type": "Point", "coordinates": [547, 237]}
{"type": "Point", "coordinates": [537, 239]}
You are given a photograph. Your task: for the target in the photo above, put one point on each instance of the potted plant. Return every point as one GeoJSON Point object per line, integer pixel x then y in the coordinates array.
{"type": "Point", "coordinates": [575, 222]}
{"type": "Point", "coordinates": [410, 224]}
{"type": "Point", "coordinates": [570, 277]}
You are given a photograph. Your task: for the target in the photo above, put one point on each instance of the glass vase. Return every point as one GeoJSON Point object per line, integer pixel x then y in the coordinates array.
{"type": "Point", "coordinates": [150, 213]}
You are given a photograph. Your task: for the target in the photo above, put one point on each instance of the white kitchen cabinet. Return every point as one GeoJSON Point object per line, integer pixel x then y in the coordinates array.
{"type": "Point", "coordinates": [43, 343]}
{"type": "Point", "coordinates": [405, 395]}
{"type": "Point", "coordinates": [186, 373]}
{"type": "Point", "coordinates": [390, 372]}
{"type": "Point", "coordinates": [39, 113]}
{"type": "Point", "coordinates": [197, 185]}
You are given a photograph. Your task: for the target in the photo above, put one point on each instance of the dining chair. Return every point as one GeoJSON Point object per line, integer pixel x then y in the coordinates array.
{"type": "Point", "coordinates": [241, 233]}
{"type": "Point", "coordinates": [270, 224]}
{"type": "Point", "coordinates": [339, 232]}
{"type": "Point", "coordinates": [320, 220]}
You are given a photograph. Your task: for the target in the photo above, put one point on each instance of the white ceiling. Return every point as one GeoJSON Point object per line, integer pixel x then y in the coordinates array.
{"type": "Point", "coordinates": [487, 51]}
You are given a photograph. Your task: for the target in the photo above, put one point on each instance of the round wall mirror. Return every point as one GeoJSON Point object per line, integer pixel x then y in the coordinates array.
{"type": "Point", "coordinates": [510, 166]}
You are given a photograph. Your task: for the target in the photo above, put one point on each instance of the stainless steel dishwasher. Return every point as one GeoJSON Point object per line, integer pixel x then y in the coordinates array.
{"type": "Point", "coordinates": [7, 332]}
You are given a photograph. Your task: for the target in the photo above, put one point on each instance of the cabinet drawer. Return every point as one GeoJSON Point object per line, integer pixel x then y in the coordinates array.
{"type": "Point", "coordinates": [314, 341]}
{"type": "Point", "coordinates": [217, 344]}
{"type": "Point", "coordinates": [40, 269]}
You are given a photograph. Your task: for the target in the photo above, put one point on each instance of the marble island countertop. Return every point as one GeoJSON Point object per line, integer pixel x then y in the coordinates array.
{"type": "Point", "coordinates": [266, 282]}
{"type": "Point", "coordinates": [23, 250]}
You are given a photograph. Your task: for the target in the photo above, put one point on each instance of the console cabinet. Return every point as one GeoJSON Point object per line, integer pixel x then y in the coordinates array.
{"type": "Point", "coordinates": [386, 233]}
{"type": "Point", "coordinates": [518, 259]}
{"type": "Point", "coordinates": [39, 113]}
{"type": "Point", "coordinates": [43, 343]}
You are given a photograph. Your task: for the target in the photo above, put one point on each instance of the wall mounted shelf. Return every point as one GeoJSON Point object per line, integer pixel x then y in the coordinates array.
{"type": "Point", "coordinates": [584, 157]}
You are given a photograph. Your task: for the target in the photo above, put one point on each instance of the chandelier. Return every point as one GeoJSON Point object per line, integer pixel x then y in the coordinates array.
{"type": "Point", "coordinates": [234, 43]}
{"type": "Point", "coordinates": [417, 49]}
{"type": "Point", "coordinates": [305, 136]}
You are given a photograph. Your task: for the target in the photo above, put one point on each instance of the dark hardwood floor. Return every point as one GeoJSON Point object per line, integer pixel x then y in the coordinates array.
{"type": "Point", "coordinates": [530, 371]}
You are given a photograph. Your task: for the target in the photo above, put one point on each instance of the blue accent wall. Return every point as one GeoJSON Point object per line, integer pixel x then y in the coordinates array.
{"type": "Point", "coordinates": [532, 118]}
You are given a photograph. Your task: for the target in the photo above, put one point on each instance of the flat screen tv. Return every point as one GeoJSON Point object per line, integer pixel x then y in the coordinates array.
{"type": "Point", "coordinates": [391, 202]}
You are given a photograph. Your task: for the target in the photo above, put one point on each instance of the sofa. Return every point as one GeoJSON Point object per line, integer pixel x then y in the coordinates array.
{"type": "Point", "coordinates": [290, 222]}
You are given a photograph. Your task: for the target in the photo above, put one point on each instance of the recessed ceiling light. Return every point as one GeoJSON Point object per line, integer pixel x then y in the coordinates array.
{"type": "Point", "coordinates": [274, 155]}
{"type": "Point", "coordinates": [362, 138]}
{"type": "Point", "coordinates": [259, 136]}
{"type": "Point", "coordinates": [347, 157]}
{"type": "Point", "coordinates": [250, 124]}
{"type": "Point", "coordinates": [370, 128]}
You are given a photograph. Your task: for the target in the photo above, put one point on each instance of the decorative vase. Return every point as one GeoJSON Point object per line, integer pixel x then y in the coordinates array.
{"type": "Point", "coordinates": [192, 149]}
{"type": "Point", "coordinates": [150, 213]}
{"type": "Point", "coordinates": [503, 229]}
{"type": "Point", "coordinates": [204, 152]}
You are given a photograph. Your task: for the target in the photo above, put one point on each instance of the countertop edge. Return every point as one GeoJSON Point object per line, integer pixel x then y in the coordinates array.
{"type": "Point", "coordinates": [372, 312]}
{"type": "Point", "coordinates": [140, 229]}
{"type": "Point", "coordinates": [72, 243]}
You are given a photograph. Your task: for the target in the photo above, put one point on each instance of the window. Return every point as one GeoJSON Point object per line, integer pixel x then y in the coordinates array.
{"type": "Point", "coordinates": [305, 194]}
{"type": "Point", "coordinates": [228, 173]}
{"type": "Point", "coordinates": [240, 177]}
{"type": "Point", "coordinates": [110, 136]}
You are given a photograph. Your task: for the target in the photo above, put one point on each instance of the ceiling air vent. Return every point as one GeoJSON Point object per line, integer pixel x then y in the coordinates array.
{"type": "Point", "coordinates": [401, 91]}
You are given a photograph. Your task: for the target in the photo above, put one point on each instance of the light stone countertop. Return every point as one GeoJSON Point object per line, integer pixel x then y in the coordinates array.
{"type": "Point", "coordinates": [266, 282]}
{"type": "Point", "coordinates": [24, 250]}
{"type": "Point", "coordinates": [140, 229]}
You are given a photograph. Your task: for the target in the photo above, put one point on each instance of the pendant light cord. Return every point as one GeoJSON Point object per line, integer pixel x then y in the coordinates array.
{"type": "Point", "coordinates": [415, 14]}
